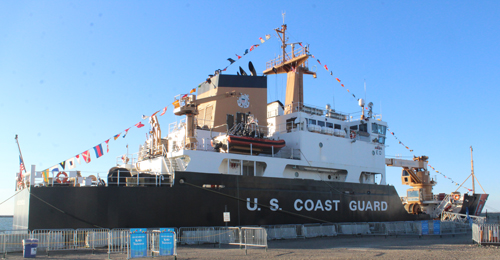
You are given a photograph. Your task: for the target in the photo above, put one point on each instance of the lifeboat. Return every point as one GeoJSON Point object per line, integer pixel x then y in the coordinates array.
{"type": "Point", "coordinates": [246, 145]}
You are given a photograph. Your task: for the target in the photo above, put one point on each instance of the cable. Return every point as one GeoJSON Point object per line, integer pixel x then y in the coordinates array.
{"type": "Point", "coordinates": [70, 215]}
{"type": "Point", "coordinates": [10, 197]}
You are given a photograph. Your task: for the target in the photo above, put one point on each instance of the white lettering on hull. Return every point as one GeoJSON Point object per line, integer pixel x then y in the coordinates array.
{"type": "Point", "coordinates": [309, 205]}
{"type": "Point", "coordinates": [367, 205]}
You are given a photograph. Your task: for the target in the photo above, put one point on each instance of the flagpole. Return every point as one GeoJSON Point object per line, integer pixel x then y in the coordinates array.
{"type": "Point", "coordinates": [20, 153]}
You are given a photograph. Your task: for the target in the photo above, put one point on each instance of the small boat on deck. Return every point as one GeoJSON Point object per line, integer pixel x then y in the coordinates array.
{"type": "Point", "coordinates": [247, 145]}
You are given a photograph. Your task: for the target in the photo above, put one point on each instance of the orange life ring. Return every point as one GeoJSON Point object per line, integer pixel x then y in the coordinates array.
{"type": "Point", "coordinates": [63, 179]}
{"type": "Point", "coordinates": [456, 197]}
{"type": "Point", "coordinates": [353, 134]}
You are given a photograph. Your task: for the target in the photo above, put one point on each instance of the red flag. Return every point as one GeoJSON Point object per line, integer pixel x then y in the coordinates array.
{"type": "Point", "coordinates": [342, 85]}
{"type": "Point", "coordinates": [155, 113]}
{"type": "Point", "coordinates": [338, 80]}
{"type": "Point", "coordinates": [126, 132]}
{"type": "Point", "coordinates": [300, 44]}
{"type": "Point", "coordinates": [185, 96]}
{"type": "Point", "coordinates": [139, 125]}
{"type": "Point", "coordinates": [107, 146]}
{"type": "Point", "coordinates": [239, 57]}
{"type": "Point", "coordinates": [326, 67]}
{"type": "Point", "coordinates": [163, 112]}
{"type": "Point", "coordinates": [86, 156]}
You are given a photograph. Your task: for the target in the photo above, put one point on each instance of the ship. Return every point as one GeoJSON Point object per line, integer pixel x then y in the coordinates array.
{"type": "Point", "coordinates": [236, 159]}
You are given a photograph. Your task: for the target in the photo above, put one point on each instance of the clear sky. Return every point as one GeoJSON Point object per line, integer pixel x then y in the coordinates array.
{"type": "Point", "coordinates": [75, 73]}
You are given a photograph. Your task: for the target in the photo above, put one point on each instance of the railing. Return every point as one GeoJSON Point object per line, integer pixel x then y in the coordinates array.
{"type": "Point", "coordinates": [288, 56]}
{"type": "Point", "coordinates": [461, 218]}
{"type": "Point", "coordinates": [441, 206]}
{"type": "Point", "coordinates": [488, 234]}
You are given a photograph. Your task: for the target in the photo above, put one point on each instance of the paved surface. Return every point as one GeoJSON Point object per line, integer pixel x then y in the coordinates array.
{"type": "Point", "coordinates": [341, 247]}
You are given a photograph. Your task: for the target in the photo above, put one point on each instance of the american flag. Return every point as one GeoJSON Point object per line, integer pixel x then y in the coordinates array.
{"type": "Point", "coordinates": [21, 168]}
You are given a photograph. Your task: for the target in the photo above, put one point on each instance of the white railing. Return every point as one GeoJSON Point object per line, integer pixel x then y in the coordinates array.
{"type": "Point", "coordinates": [462, 218]}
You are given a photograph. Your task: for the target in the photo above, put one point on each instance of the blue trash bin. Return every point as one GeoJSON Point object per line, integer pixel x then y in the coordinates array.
{"type": "Point", "coordinates": [29, 248]}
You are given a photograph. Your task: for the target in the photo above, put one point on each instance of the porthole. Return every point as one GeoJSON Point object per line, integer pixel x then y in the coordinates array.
{"type": "Point", "coordinates": [296, 174]}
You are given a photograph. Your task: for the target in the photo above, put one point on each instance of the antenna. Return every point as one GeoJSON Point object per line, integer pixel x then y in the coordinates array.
{"type": "Point", "coordinates": [365, 88]}
{"type": "Point", "coordinates": [283, 13]}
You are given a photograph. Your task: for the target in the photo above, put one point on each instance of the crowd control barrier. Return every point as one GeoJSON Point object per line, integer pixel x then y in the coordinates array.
{"type": "Point", "coordinates": [487, 234]}
{"type": "Point", "coordinates": [158, 241]}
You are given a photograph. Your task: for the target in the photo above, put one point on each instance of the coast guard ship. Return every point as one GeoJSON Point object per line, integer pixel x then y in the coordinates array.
{"type": "Point", "coordinates": [264, 163]}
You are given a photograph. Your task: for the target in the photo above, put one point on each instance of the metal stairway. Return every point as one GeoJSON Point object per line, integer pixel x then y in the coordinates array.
{"type": "Point", "coordinates": [442, 206]}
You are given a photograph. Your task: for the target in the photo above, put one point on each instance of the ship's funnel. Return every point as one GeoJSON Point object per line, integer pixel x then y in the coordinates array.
{"type": "Point", "coordinates": [252, 69]}
{"type": "Point", "coordinates": [242, 72]}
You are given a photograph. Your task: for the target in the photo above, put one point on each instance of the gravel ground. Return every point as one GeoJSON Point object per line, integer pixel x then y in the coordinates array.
{"type": "Point", "coordinates": [341, 247]}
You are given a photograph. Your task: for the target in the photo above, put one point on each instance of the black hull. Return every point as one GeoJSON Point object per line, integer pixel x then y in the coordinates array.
{"type": "Point", "coordinates": [473, 204]}
{"type": "Point", "coordinates": [280, 201]}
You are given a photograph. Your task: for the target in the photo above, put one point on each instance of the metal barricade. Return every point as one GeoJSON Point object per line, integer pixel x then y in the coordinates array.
{"type": "Point", "coordinates": [488, 234]}
{"type": "Point", "coordinates": [118, 241]}
{"type": "Point", "coordinates": [453, 228]}
{"type": "Point", "coordinates": [403, 228]}
{"type": "Point", "coordinates": [254, 236]}
{"type": "Point", "coordinates": [12, 240]}
{"type": "Point", "coordinates": [197, 235]}
{"type": "Point", "coordinates": [228, 235]}
{"type": "Point", "coordinates": [69, 239]}
{"type": "Point", "coordinates": [377, 228]}
{"type": "Point", "coordinates": [163, 242]}
{"type": "Point", "coordinates": [283, 231]}
{"type": "Point", "coordinates": [354, 229]}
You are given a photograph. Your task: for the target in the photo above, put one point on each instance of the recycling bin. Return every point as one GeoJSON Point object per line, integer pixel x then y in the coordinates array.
{"type": "Point", "coordinates": [29, 248]}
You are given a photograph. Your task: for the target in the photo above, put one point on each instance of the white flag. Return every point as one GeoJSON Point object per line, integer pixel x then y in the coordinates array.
{"type": "Point", "coordinates": [70, 163]}
{"type": "Point", "coordinates": [78, 158]}
{"type": "Point", "coordinates": [268, 36]}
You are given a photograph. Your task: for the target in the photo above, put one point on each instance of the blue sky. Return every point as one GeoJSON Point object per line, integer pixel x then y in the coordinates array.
{"type": "Point", "coordinates": [75, 73]}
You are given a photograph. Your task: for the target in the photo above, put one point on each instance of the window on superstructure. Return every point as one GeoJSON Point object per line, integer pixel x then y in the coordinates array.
{"type": "Point", "coordinates": [312, 122]}
{"type": "Point", "coordinates": [337, 126]}
{"type": "Point", "coordinates": [354, 127]}
{"type": "Point", "coordinates": [329, 125]}
{"type": "Point", "coordinates": [374, 128]}
{"type": "Point", "coordinates": [321, 123]}
{"type": "Point", "coordinates": [382, 129]}
{"type": "Point", "coordinates": [381, 139]}
{"type": "Point", "coordinates": [363, 127]}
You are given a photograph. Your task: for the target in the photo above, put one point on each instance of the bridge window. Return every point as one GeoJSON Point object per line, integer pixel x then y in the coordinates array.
{"type": "Point", "coordinates": [363, 127]}
{"type": "Point", "coordinates": [321, 123]}
{"type": "Point", "coordinates": [378, 129]}
{"type": "Point", "coordinates": [329, 125]}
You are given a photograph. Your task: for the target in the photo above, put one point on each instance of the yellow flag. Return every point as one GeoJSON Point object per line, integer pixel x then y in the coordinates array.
{"type": "Point", "coordinates": [192, 91]}
{"type": "Point", "coordinates": [46, 176]}
{"type": "Point", "coordinates": [176, 104]}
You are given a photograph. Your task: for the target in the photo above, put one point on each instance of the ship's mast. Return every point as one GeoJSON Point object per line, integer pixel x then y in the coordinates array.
{"type": "Point", "coordinates": [472, 172]}
{"type": "Point", "coordinates": [294, 65]}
